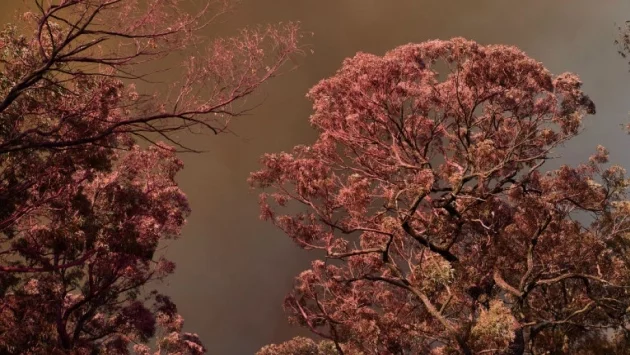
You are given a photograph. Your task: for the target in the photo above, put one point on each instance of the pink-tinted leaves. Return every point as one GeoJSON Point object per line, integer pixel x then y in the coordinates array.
{"type": "Point", "coordinates": [426, 190]}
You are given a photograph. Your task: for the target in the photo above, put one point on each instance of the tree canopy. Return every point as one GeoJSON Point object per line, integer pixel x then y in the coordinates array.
{"type": "Point", "coordinates": [83, 208]}
{"type": "Point", "coordinates": [439, 228]}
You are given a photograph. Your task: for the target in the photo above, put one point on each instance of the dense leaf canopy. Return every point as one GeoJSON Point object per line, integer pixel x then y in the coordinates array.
{"type": "Point", "coordinates": [441, 230]}
{"type": "Point", "coordinates": [83, 209]}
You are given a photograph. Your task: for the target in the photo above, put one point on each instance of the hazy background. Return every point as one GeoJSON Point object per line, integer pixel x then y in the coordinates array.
{"type": "Point", "coordinates": [234, 270]}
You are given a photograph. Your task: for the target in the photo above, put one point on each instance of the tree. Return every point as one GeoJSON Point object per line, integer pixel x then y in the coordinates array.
{"type": "Point", "coordinates": [439, 230]}
{"type": "Point", "coordinates": [83, 208]}
{"type": "Point", "coordinates": [299, 345]}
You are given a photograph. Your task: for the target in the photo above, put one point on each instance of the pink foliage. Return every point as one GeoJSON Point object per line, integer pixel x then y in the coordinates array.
{"type": "Point", "coordinates": [441, 232]}
{"type": "Point", "coordinates": [88, 243]}
{"type": "Point", "coordinates": [63, 82]}
{"type": "Point", "coordinates": [83, 209]}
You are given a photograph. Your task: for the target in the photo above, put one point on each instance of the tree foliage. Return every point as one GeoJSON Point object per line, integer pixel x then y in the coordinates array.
{"type": "Point", "coordinates": [83, 209]}
{"type": "Point", "coordinates": [441, 231]}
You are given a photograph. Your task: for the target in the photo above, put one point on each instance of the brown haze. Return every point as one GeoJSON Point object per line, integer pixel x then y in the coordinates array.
{"type": "Point", "coordinates": [234, 270]}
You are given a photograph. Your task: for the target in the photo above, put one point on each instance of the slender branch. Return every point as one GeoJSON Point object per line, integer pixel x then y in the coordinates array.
{"type": "Point", "coordinates": [530, 253]}
{"type": "Point", "coordinates": [49, 268]}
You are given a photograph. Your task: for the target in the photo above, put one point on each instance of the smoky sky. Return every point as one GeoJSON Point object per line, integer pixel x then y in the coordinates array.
{"type": "Point", "coordinates": [232, 269]}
